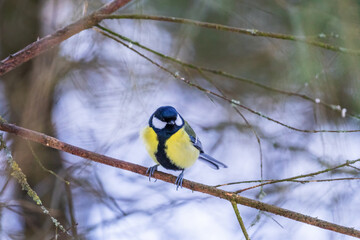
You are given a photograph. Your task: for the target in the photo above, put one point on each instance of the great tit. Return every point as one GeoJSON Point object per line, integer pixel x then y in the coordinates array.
{"type": "Point", "coordinates": [173, 144]}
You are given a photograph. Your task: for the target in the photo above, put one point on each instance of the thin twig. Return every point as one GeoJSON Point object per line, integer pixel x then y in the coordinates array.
{"type": "Point", "coordinates": [245, 120]}
{"type": "Point", "coordinates": [291, 180]}
{"type": "Point", "coordinates": [194, 186]}
{"type": "Point", "coordinates": [347, 163]}
{"type": "Point", "coordinates": [251, 32]}
{"type": "Point", "coordinates": [43, 167]}
{"type": "Point", "coordinates": [257, 138]}
{"type": "Point", "coordinates": [239, 218]}
{"type": "Point", "coordinates": [231, 101]}
{"type": "Point", "coordinates": [262, 193]}
{"type": "Point", "coordinates": [333, 107]}
{"type": "Point", "coordinates": [71, 211]}
{"type": "Point", "coordinates": [355, 168]}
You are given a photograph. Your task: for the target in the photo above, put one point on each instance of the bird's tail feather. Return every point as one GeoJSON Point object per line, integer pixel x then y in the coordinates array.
{"type": "Point", "coordinates": [212, 162]}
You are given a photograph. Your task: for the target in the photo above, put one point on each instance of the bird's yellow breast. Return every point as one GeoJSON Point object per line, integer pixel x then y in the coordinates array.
{"type": "Point", "coordinates": [151, 141]}
{"type": "Point", "coordinates": [180, 150]}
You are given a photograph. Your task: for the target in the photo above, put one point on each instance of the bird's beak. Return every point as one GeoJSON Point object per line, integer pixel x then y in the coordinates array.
{"type": "Point", "coordinates": [172, 122]}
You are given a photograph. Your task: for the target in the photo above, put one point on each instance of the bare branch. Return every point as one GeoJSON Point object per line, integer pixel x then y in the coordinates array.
{"type": "Point", "coordinates": [36, 48]}
{"type": "Point", "coordinates": [231, 101]}
{"type": "Point", "coordinates": [272, 181]}
{"type": "Point", "coordinates": [194, 186]}
{"type": "Point", "coordinates": [239, 218]}
{"type": "Point", "coordinates": [333, 107]}
{"type": "Point", "coordinates": [347, 163]}
{"type": "Point", "coordinates": [251, 32]}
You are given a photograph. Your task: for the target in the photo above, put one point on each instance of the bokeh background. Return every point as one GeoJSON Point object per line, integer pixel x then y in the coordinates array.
{"type": "Point", "coordinates": [94, 93]}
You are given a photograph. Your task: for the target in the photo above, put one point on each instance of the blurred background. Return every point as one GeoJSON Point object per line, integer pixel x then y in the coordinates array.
{"type": "Point", "coordinates": [95, 93]}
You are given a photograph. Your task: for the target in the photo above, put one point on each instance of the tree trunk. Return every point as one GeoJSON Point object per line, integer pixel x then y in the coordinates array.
{"type": "Point", "coordinates": [29, 91]}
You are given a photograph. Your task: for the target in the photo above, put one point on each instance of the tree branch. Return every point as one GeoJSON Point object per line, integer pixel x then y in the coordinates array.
{"type": "Point", "coordinates": [219, 72]}
{"type": "Point", "coordinates": [36, 48]}
{"type": "Point", "coordinates": [231, 101]}
{"type": "Point", "coordinates": [194, 186]}
{"type": "Point", "coordinates": [241, 222]}
{"type": "Point", "coordinates": [347, 163]}
{"type": "Point", "coordinates": [251, 32]}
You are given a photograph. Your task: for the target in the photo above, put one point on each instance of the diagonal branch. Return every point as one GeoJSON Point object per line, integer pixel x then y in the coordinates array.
{"type": "Point", "coordinates": [230, 196]}
{"type": "Point", "coordinates": [251, 32]}
{"type": "Point", "coordinates": [347, 163]}
{"type": "Point", "coordinates": [241, 222]}
{"type": "Point", "coordinates": [231, 101]}
{"type": "Point", "coordinates": [36, 48]}
{"type": "Point", "coordinates": [219, 72]}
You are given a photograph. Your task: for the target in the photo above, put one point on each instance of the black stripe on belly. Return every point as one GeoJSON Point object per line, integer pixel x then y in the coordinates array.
{"type": "Point", "coordinates": [163, 135]}
{"type": "Point", "coordinates": [162, 158]}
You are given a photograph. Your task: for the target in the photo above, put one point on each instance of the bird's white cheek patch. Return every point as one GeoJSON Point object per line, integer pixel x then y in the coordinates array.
{"type": "Point", "coordinates": [158, 123]}
{"type": "Point", "coordinates": [179, 122]}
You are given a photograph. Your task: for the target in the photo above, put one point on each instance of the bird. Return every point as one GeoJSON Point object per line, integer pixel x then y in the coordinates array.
{"type": "Point", "coordinates": [173, 144]}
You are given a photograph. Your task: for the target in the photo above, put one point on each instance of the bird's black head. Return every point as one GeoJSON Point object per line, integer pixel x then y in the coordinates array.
{"type": "Point", "coordinates": [166, 118]}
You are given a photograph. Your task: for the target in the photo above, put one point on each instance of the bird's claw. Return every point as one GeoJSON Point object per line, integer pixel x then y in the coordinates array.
{"type": "Point", "coordinates": [151, 171]}
{"type": "Point", "coordinates": [179, 180]}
